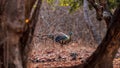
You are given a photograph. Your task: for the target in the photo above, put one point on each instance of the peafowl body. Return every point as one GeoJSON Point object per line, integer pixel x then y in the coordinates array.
{"type": "Point", "coordinates": [60, 38]}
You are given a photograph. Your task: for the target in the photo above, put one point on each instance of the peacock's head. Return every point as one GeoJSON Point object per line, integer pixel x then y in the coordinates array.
{"type": "Point", "coordinates": [70, 33]}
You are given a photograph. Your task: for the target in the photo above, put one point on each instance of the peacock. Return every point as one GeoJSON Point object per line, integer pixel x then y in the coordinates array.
{"type": "Point", "coordinates": [60, 37]}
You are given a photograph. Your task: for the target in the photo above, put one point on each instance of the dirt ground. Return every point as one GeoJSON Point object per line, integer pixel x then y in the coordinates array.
{"type": "Point", "coordinates": [53, 55]}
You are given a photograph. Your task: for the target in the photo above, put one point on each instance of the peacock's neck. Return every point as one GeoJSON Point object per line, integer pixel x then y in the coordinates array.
{"type": "Point", "coordinates": [69, 38]}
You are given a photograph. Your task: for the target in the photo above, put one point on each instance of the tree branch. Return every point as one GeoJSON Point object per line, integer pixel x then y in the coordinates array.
{"type": "Point", "coordinates": [98, 9]}
{"type": "Point", "coordinates": [102, 10]}
{"type": "Point", "coordinates": [89, 23]}
{"type": "Point", "coordinates": [109, 46]}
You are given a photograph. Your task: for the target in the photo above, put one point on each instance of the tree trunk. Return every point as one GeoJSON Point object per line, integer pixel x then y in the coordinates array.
{"type": "Point", "coordinates": [106, 51]}
{"type": "Point", "coordinates": [31, 13]}
{"type": "Point", "coordinates": [15, 33]}
{"type": "Point", "coordinates": [13, 20]}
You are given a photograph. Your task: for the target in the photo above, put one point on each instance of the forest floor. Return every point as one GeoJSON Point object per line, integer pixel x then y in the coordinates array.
{"type": "Point", "coordinates": [53, 56]}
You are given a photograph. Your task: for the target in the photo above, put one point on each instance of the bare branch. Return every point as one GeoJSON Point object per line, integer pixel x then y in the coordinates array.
{"type": "Point", "coordinates": [33, 10]}
{"type": "Point", "coordinates": [98, 9]}
{"type": "Point", "coordinates": [90, 25]}
{"type": "Point", "coordinates": [102, 10]}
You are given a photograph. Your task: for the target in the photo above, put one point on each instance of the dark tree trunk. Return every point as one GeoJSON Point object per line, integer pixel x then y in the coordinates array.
{"type": "Point", "coordinates": [12, 23]}
{"type": "Point", "coordinates": [31, 13]}
{"type": "Point", "coordinates": [15, 34]}
{"type": "Point", "coordinates": [106, 51]}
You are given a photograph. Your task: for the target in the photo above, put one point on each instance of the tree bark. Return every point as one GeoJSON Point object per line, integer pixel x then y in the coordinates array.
{"type": "Point", "coordinates": [106, 51]}
{"type": "Point", "coordinates": [15, 33]}
{"type": "Point", "coordinates": [13, 20]}
{"type": "Point", "coordinates": [100, 8]}
{"type": "Point", "coordinates": [109, 46]}
{"type": "Point", "coordinates": [32, 13]}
